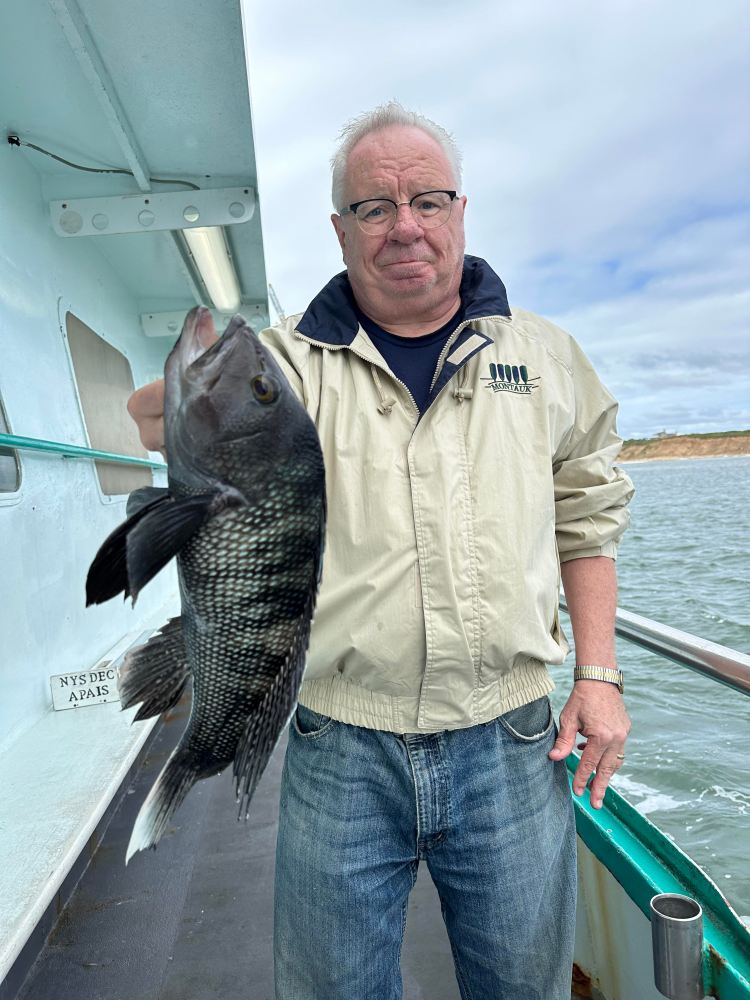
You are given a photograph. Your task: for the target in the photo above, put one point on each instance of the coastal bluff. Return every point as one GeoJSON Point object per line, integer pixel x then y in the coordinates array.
{"type": "Point", "coordinates": [687, 446]}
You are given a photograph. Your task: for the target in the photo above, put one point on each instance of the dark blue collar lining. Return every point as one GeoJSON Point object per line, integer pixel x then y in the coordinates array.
{"type": "Point", "coordinates": [331, 318]}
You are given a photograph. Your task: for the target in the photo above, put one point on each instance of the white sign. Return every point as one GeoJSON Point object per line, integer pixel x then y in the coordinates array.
{"type": "Point", "coordinates": [88, 687]}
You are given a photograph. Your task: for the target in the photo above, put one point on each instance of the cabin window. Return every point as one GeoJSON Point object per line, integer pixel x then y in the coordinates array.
{"type": "Point", "coordinates": [104, 382]}
{"type": "Point", "coordinates": [10, 470]}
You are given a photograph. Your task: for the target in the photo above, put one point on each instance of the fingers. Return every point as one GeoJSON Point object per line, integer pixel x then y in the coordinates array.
{"type": "Point", "coordinates": [596, 711]}
{"type": "Point", "coordinates": [602, 761]}
{"type": "Point", "coordinates": [146, 407]}
{"type": "Point", "coordinates": [608, 766]}
{"type": "Point", "coordinates": [148, 401]}
{"type": "Point", "coordinates": [586, 766]}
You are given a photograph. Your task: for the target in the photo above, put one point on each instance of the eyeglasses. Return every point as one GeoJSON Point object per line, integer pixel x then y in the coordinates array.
{"type": "Point", "coordinates": [377, 216]}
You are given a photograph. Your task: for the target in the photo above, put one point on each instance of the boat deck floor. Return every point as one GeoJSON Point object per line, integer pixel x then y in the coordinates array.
{"type": "Point", "coordinates": [193, 919]}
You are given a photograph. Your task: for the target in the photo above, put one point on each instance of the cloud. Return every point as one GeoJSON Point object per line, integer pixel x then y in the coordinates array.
{"type": "Point", "coordinates": [605, 166]}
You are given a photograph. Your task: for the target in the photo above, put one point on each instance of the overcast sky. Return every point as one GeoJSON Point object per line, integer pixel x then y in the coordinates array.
{"type": "Point", "coordinates": [606, 162]}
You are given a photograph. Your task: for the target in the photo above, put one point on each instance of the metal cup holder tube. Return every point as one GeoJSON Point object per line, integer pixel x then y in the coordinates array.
{"type": "Point", "coordinates": [677, 937]}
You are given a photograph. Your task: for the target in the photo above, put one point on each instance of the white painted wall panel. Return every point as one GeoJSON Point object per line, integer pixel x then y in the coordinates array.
{"type": "Point", "coordinates": [48, 537]}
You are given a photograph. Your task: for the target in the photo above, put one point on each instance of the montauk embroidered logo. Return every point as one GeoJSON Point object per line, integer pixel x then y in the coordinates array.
{"type": "Point", "coordinates": [511, 378]}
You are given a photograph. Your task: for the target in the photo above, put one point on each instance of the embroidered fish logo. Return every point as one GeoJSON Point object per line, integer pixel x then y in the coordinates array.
{"type": "Point", "coordinates": [511, 378]}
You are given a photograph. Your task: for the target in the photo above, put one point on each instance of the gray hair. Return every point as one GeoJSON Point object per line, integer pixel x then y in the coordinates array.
{"type": "Point", "coordinates": [383, 116]}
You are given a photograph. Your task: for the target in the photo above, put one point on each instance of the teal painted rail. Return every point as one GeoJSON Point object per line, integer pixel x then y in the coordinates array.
{"type": "Point", "coordinates": [646, 862]}
{"type": "Point", "coordinates": [73, 451]}
{"type": "Point", "coordinates": [643, 859]}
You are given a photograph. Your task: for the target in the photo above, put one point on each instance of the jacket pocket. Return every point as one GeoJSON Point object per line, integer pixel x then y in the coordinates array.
{"type": "Point", "coordinates": [530, 723]}
{"type": "Point", "coordinates": [310, 725]}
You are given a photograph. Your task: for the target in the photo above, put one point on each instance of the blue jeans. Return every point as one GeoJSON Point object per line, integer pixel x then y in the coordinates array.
{"type": "Point", "coordinates": [485, 808]}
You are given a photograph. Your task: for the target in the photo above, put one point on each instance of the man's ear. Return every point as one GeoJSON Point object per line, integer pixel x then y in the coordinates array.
{"type": "Point", "coordinates": [339, 227]}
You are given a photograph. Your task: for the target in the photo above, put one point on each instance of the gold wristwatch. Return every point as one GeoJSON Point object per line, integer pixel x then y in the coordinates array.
{"type": "Point", "coordinates": [589, 672]}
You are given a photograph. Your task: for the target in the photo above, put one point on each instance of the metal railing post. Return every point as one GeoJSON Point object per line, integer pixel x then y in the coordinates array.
{"type": "Point", "coordinates": [677, 938]}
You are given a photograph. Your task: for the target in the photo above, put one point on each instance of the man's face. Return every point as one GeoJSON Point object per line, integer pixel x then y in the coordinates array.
{"type": "Point", "coordinates": [410, 274]}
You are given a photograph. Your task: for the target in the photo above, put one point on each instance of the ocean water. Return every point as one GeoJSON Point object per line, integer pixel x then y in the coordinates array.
{"type": "Point", "coordinates": [685, 561]}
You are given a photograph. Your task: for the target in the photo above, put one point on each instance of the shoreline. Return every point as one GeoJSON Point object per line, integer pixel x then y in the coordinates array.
{"type": "Point", "coordinates": [722, 445]}
{"type": "Point", "coordinates": [677, 458]}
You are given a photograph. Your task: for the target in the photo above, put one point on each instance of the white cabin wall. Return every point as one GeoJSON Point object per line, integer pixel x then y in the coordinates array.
{"type": "Point", "coordinates": [50, 531]}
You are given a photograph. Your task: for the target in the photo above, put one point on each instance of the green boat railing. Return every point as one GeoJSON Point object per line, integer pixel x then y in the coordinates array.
{"type": "Point", "coordinates": [643, 859]}
{"type": "Point", "coordinates": [16, 441]}
{"type": "Point", "coordinates": [646, 863]}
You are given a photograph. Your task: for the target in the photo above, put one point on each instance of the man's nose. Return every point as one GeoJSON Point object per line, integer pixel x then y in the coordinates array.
{"type": "Point", "coordinates": [406, 229]}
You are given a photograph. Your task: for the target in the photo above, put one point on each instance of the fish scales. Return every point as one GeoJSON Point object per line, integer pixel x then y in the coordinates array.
{"type": "Point", "coordinates": [253, 607]}
{"type": "Point", "coordinates": [245, 516]}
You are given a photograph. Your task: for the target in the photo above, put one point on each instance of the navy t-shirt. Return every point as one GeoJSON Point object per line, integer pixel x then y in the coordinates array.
{"type": "Point", "coordinates": [412, 360]}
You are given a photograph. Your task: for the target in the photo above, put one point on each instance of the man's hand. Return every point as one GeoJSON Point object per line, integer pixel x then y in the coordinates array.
{"type": "Point", "coordinates": [596, 710]}
{"type": "Point", "coordinates": [146, 405]}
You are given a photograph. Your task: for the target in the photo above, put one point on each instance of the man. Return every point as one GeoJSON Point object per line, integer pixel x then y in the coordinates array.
{"type": "Point", "coordinates": [468, 454]}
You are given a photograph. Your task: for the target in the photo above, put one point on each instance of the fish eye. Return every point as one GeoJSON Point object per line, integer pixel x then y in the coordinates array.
{"type": "Point", "coordinates": [265, 388]}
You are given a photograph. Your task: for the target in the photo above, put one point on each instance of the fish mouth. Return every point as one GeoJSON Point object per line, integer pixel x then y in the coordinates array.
{"type": "Point", "coordinates": [200, 361]}
{"type": "Point", "coordinates": [197, 336]}
{"type": "Point", "coordinates": [201, 357]}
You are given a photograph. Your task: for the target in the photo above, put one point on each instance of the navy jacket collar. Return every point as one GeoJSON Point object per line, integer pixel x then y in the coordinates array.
{"type": "Point", "coordinates": [331, 317]}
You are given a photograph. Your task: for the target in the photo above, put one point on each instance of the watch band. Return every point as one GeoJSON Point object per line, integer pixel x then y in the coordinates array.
{"type": "Point", "coordinates": [589, 672]}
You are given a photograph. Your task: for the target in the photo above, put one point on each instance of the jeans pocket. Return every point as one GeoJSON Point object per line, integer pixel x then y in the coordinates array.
{"type": "Point", "coordinates": [530, 723]}
{"type": "Point", "coordinates": [309, 724]}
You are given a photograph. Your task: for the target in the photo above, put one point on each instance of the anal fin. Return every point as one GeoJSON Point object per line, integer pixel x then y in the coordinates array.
{"type": "Point", "coordinates": [155, 673]}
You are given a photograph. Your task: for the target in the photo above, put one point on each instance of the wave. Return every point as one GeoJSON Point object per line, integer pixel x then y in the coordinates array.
{"type": "Point", "coordinates": [652, 799]}
{"type": "Point", "coordinates": [739, 798]}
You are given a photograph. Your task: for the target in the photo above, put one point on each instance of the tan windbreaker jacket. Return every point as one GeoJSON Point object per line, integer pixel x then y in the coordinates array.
{"type": "Point", "coordinates": [438, 603]}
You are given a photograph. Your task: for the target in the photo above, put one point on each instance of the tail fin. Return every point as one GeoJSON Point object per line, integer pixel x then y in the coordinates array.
{"type": "Point", "coordinates": [178, 776]}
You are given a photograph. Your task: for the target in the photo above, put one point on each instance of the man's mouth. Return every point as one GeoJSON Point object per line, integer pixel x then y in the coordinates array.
{"type": "Point", "coordinates": [411, 260]}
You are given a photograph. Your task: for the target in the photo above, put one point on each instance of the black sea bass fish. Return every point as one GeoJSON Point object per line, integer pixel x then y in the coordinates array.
{"type": "Point", "coordinates": [245, 516]}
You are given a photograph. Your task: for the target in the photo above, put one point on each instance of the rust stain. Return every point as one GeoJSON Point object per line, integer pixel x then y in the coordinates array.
{"type": "Point", "coordinates": [718, 964]}
{"type": "Point", "coordinates": [582, 984]}
{"type": "Point", "coordinates": [716, 959]}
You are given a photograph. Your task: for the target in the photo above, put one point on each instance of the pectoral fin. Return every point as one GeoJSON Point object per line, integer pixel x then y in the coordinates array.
{"type": "Point", "coordinates": [160, 534]}
{"type": "Point", "coordinates": [135, 551]}
{"type": "Point", "coordinates": [144, 497]}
